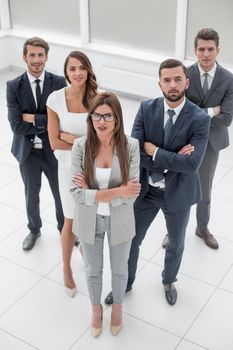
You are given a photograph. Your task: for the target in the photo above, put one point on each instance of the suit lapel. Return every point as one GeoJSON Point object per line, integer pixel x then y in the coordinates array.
{"type": "Point", "coordinates": [179, 122]}
{"type": "Point", "coordinates": [197, 81]}
{"type": "Point", "coordinates": [158, 124]}
{"type": "Point", "coordinates": [46, 89]}
{"type": "Point", "coordinates": [27, 91]}
{"type": "Point", "coordinates": [215, 82]}
{"type": "Point", "coordinates": [115, 174]}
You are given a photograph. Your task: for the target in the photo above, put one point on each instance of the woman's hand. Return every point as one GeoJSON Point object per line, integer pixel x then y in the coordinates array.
{"type": "Point", "coordinates": [132, 189]}
{"type": "Point", "coordinates": [79, 180]}
{"type": "Point", "coordinates": [67, 137]}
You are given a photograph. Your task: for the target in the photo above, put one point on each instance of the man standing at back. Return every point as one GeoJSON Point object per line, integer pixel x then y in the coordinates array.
{"type": "Point", "coordinates": [211, 88]}
{"type": "Point", "coordinates": [27, 114]}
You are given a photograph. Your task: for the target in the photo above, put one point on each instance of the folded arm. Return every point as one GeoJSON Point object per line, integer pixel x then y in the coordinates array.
{"type": "Point", "coordinates": [223, 113]}
{"type": "Point", "coordinates": [84, 195]}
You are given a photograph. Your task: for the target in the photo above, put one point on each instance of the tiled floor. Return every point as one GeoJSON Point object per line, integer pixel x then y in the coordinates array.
{"type": "Point", "coordinates": [35, 312]}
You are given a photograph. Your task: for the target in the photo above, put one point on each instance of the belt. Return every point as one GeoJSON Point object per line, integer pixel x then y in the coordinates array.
{"type": "Point", "coordinates": [38, 146]}
{"type": "Point", "coordinates": [158, 188]}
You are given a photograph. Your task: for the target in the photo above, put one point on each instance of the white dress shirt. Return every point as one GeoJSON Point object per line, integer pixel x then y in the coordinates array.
{"type": "Point", "coordinates": [37, 141]}
{"type": "Point", "coordinates": [210, 77]}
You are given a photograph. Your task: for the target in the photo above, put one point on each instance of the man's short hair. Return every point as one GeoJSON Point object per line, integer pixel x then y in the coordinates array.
{"type": "Point", "coordinates": [36, 42]}
{"type": "Point", "coordinates": [172, 63]}
{"type": "Point", "coordinates": [207, 34]}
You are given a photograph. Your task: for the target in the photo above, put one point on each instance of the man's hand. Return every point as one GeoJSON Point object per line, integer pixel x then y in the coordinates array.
{"type": "Point", "coordinates": [149, 148]}
{"type": "Point", "coordinates": [216, 110]}
{"type": "Point", "coordinates": [29, 118]}
{"type": "Point", "coordinates": [186, 150]}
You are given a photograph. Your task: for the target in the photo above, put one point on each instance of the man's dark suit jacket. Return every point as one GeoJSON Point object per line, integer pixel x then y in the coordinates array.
{"type": "Point", "coordinates": [20, 100]}
{"type": "Point", "coordinates": [220, 93]}
{"type": "Point", "coordinates": [182, 186]}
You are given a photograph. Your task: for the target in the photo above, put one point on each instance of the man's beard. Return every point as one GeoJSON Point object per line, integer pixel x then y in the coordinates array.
{"type": "Point", "coordinates": [174, 98]}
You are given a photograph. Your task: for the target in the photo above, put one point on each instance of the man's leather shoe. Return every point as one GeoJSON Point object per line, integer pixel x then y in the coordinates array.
{"type": "Point", "coordinates": [165, 241]}
{"type": "Point", "coordinates": [109, 298]}
{"type": "Point", "coordinates": [170, 293]}
{"type": "Point", "coordinates": [30, 241]}
{"type": "Point", "coordinates": [208, 238]}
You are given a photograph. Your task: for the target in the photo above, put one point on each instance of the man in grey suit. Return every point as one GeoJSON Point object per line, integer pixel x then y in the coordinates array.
{"type": "Point", "coordinates": [211, 88]}
{"type": "Point", "coordinates": [27, 114]}
{"type": "Point", "coordinates": [173, 134]}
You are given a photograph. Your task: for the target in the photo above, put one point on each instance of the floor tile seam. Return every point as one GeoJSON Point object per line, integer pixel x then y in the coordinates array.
{"type": "Point", "coordinates": [50, 279]}
{"type": "Point", "coordinates": [229, 240]}
{"type": "Point", "coordinates": [8, 183]}
{"type": "Point", "coordinates": [191, 342]}
{"type": "Point", "coordinates": [199, 313]}
{"type": "Point", "coordinates": [151, 324]}
{"type": "Point", "coordinates": [13, 208]}
{"type": "Point", "coordinates": [14, 336]}
{"type": "Point", "coordinates": [79, 338]}
{"type": "Point", "coordinates": [4, 145]}
{"type": "Point", "coordinates": [60, 284]}
{"type": "Point", "coordinates": [189, 276]}
{"type": "Point", "coordinates": [222, 177]}
{"type": "Point", "coordinates": [224, 276]}
{"type": "Point", "coordinates": [23, 266]}
{"type": "Point", "coordinates": [11, 233]}
{"type": "Point", "coordinates": [10, 165]}
{"type": "Point", "coordinates": [21, 297]}
{"type": "Point", "coordinates": [221, 197]}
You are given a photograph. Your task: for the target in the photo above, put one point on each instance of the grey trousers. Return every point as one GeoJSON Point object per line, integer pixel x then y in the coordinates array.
{"type": "Point", "coordinates": [93, 257]}
{"type": "Point", "coordinates": [206, 172]}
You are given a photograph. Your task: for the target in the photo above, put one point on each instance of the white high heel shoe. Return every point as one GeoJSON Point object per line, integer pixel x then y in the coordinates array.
{"type": "Point", "coordinates": [71, 292]}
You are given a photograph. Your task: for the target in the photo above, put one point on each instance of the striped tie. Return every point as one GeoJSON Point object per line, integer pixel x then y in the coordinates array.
{"type": "Point", "coordinates": [168, 126]}
{"type": "Point", "coordinates": [167, 133]}
{"type": "Point", "coordinates": [205, 84]}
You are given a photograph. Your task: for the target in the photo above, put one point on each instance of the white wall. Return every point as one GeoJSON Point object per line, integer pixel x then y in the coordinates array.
{"type": "Point", "coordinates": [130, 69]}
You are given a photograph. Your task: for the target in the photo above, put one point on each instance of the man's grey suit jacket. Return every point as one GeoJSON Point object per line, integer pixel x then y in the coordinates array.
{"type": "Point", "coordinates": [220, 93]}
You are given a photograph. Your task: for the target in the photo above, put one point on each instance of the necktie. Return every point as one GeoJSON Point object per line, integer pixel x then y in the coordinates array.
{"type": "Point", "coordinates": [205, 84]}
{"type": "Point", "coordinates": [167, 133]}
{"type": "Point", "coordinates": [168, 126]}
{"type": "Point", "coordinates": [38, 92]}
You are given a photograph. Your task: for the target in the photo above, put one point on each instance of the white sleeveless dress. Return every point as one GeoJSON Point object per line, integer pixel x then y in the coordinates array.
{"type": "Point", "coordinates": [74, 123]}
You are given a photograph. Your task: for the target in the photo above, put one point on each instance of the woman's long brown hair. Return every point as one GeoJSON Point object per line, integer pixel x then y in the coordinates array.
{"type": "Point", "coordinates": [119, 139]}
{"type": "Point", "coordinates": [91, 84]}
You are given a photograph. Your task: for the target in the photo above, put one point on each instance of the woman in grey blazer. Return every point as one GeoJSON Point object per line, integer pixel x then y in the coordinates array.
{"type": "Point", "coordinates": [105, 172]}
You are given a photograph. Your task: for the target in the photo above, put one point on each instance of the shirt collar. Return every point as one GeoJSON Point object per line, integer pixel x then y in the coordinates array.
{"type": "Point", "coordinates": [31, 78]}
{"type": "Point", "coordinates": [177, 109]}
{"type": "Point", "coordinates": [211, 72]}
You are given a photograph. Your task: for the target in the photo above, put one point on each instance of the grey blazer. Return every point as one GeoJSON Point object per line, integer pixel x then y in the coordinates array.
{"type": "Point", "coordinates": [121, 209]}
{"type": "Point", "coordinates": [220, 93]}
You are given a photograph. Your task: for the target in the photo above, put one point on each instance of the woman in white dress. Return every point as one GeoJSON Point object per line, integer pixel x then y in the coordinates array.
{"type": "Point", "coordinates": [67, 114]}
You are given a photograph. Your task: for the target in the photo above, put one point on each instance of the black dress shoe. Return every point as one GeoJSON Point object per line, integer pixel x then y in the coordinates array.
{"type": "Point", "coordinates": [170, 293]}
{"type": "Point", "coordinates": [165, 241]}
{"type": "Point", "coordinates": [109, 298]}
{"type": "Point", "coordinates": [30, 240]}
{"type": "Point", "coordinates": [76, 243]}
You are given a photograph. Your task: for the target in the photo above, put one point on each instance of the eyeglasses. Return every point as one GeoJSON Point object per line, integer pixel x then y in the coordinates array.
{"type": "Point", "coordinates": [107, 117]}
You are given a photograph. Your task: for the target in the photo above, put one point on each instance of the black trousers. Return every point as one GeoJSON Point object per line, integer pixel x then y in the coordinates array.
{"type": "Point", "coordinates": [31, 172]}
{"type": "Point", "coordinates": [145, 211]}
